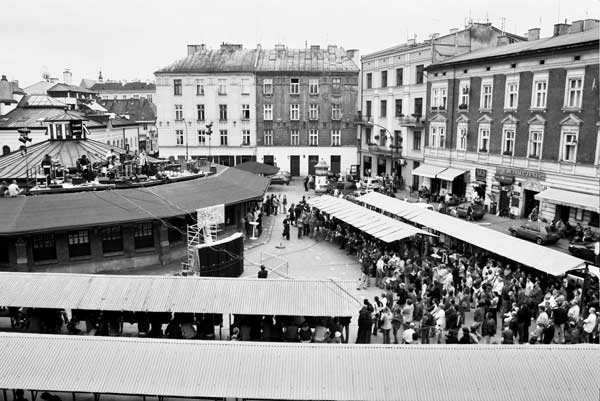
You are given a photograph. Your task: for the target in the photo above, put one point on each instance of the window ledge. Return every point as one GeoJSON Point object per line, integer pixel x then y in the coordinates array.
{"type": "Point", "coordinates": [313, 94]}
{"type": "Point", "coordinates": [482, 110]}
{"type": "Point", "coordinates": [45, 262]}
{"type": "Point", "coordinates": [537, 109]}
{"type": "Point", "coordinates": [80, 258]}
{"type": "Point", "coordinates": [222, 94]}
{"type": "Point", "coordinates": [294, 94]}
{"type": "Point", "coordinates": [145, 250]}
{"type": "Point", "coordinates": [267, 94]}
{"type": "Point", "coordinates": [510, 109]}
{"type": "Point", "coordinates": [111, 254]}
{"type": "Point", "coordinates": [199, 94]}
{"type": "Point", "coordinates": [572, 109]}
{"type": "Point", "coordinates": [245, 94]}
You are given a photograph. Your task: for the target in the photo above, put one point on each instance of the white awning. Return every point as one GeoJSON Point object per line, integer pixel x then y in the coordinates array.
{"type": "Point", "coordinates": [450, 174]}
{"type": "Point", "coordinates": [572, 199]}
{"type": "Point", "coordinates": [427, 170]}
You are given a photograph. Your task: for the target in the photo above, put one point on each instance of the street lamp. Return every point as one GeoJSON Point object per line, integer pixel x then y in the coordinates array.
{"type": "Point", "coordinates": [24, 139]}
{"type": "Point", "coordinates": [396, 147]}
{"type": "Point", "coordinates": [209, 133]}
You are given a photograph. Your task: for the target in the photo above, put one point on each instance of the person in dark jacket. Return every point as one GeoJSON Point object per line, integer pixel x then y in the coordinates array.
{"type": "Point", "coordinates": [560, 318]}
{"type": "Point", "coordinates": [488, 329]}
{"type": "Point", "coordinates": [452, 337]}
{"type": "Point", "coordinates": [286, 229]}
{"type": "Point", "coordinates": [466, 337]}
{"type": "Point", "coordinates": [507, 336]}
{"type": "Point", "coordinates": [263, 273]}
{"type": "Point", "coordinates": [451, 317]}
{"type": "Point", "coordinates": [523, 322]}
{"type": "Point", "coordinates": [364, 323]}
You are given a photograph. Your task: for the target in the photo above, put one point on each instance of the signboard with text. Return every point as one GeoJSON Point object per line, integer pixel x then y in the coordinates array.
{"type": "Point", "coordinates": [518, 172]}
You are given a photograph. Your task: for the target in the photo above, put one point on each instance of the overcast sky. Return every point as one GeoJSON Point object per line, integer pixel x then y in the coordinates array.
{"type": "Point", "coordinates": [130, 39]}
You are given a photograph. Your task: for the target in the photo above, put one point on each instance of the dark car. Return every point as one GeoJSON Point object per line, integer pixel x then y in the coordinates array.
{"type": "Point", "coordinates": [536, 231]}
{"type": "Point", "coordinates": [345, 187]}
{"type": "Point", "coordinates": [281, 178]}
{"type": "Point", "coordinates": [583, 250]}
{"type": "Point", "coordinates": [462, 210]}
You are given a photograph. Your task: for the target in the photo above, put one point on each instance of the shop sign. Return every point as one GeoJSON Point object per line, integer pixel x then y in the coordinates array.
{"type": "Point", "coordinates": [517, 172]}
{"type": "Point", "coordinates": [480, 175]}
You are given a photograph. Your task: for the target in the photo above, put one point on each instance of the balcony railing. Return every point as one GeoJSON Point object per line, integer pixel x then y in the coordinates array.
{"type": "Point", "coordinates": [411, 121]}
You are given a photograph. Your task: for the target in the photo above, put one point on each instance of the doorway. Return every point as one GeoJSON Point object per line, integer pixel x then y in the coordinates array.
{"type": "Point", "coordinates": [269, 159]}
{"type": "Point", "coordinates": [295, 165]}
{"type": "Point", "coordinates": [563, 213]}
{"type": "Point", "coordinates": [529, 202]}
{"type": "Point", "coordinates": [312, 161]}
{"type": "Point", "coordinates": [336, 163]}
{"type": "Point", "coordinates": [366, 166]}
{"type": "Point", "coordinates": [459, 186]}
{"type": "Point", "coordinates": [381, 166]}
{"type": "Point", "coordinates": [504, 203]}
{"type": "Point", "coordinates": [415, 178]}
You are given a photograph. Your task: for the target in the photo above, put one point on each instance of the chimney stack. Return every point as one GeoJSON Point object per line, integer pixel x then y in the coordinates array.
{"type": "Point", "coordinates": [331, 48]}
{"type": "Point", "coordinates": [67, 76]}
{"type": "Point", "coordinates": [352, 54]}
{"type": "Point", "coordinates": [191, 49]}
{"type": "Point", "coordinates": [411, 42]}
{"type": "Point", "coordinates": [533, 34]}
{"type": "Point", "coordinates": [502, 40]}
{"type": "Point", "coordinates": [590, 24]}
{"type": "Point", "coordinates": [315, 48]}
{"type": "Point", "coordinates": [561, 29]}
{"type": "Point", "coordinates": [231, 46]}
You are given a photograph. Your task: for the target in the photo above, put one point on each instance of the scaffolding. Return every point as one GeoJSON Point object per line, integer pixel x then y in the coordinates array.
{"type": "Point", "coordinates": [197, 234]}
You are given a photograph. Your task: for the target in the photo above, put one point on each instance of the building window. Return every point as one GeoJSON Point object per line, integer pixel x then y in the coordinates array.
{"type": "Point", "coordinates": [294, 137]}
{"type": "Point", "coordinates": [382, 108]}
{"type": "Point", "coordinates": [437, 136]}
{"type": "Point", "coordinates": [245, 137]}
{"type": "Point", "coordinates": [336, 111]}
{"type": "Point", "coordinates": [398, 108]}
{"type": "Point", "coordinates": [368, 136]}
{"type": "Point", "coordinates": [245, 112]}
{"type": "Point", "coordinates": [143, 236]}
{"type": "Point", "coordinates": [79, 243]}
{"type": "Point", "coordinates": [199, 87]}
{"type": "Point", "coordinates": [399, 76]}
{"type": "Point", "coordinates": [418, 106]}
{"type": "Point", "coordinates": [598, 147]}
{"type": "Point", "coordinates": [313, 137]}
{"type": "Point", "coordinates": [569, 145]}
{"type": "Point", "coordinates": [202, 137]}
{"type": "Point", "coordinates": [574, 90]}
{"type": "Point", "coordinates": [484, 138]}
{"type": "Point", "coordinates": [438, 98]}
{"type": "Point", "coordinates": [222, 112]}
{"type": "Point", "coordinates": [461, 140]}
{"type": "Point", "coordinates": [245, 86]}
{"type": "Point", "coordinates": [268, 137]}
{"type": "Point", "coordinates": [44, 247]}
{"type": "Point", "coordinates": [136, 96]}
{"type": "Point", "coordinates": [369, 80]}
{"type": "Point", "coordinates": [511, 97]}
{"type": "Point", "coordinates": [268, 112]}
{"type": "Point", "coordinates": [419, 73]}
{"type": "Point", "coordinates": [222, 86]}
{"type": "Point", "coordinates": [536, 137]}
{"type": "Point", "coordinates": [416, 140]}
{"type": "Point", "coordinates": [267, 86]}
{"type": "Point", "coordinates": [540, 91]}
{"type": "Point", "coordinates": [179, 136]}
{"type": "Point", "coordinates": [149, 97]}
{"type": "Point", "coordinates": [382, 137]}
{"type": "Point", "coordinates": [384, 79]}
{"type": "Point", "coordinates": [369, 108]}
{"type": "Point", "coordinates": [177, 87]}
{"type": "Point", "coordinates": [294, 86]}
{"type": "Point", "coordinates": [336, 137]}
{"type": "Point", "coordinates": [223, 136]}
{"type": "Point", "coordinates": [313, 86]}
{"type": "Point", "coordinates": [294, 112]}
{"type": "Point", "coordinates": [112, 239]}
{"type": "Point", "coordinates": [508, 141]}
{"type": "Point", "coordinates": [336, 84]}
{"type": "Point", "coordinates": [464, 95]}
{"type": "Point", "coordinates": [178, 112]}
{"type": "Point", "coordinates": [200, 112]}
{"type": "Point", "coordinates": [313, 112]}
{"type": "Point", "coordinates": [486, 94]}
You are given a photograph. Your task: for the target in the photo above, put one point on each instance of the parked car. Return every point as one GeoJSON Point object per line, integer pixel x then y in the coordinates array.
{"type": "Point", "coordinates": [583, 250]}
{"type": "Point", "coordinates": [536, 231]}
{"type": "Point", "coordinates": [371, 184]}
{"type": "Point", "coordinates": [345, 187]}
{"type": "Point", "coordinates": [281, 178]}
{"type": "Point", "coordinates": [462, 210]}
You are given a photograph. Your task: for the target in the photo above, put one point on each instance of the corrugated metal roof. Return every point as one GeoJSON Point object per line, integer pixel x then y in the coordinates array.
{"type": "Point", "coordinates": [252, 370]}
{"type": "Point", "coordinates": [527, 253]}
{"type": "Point", "coordinates": [179, 294]}
{"type": "Point", "coordinates": [524, 47]}
{"type": "Point", "coordinates": [25, 214]}
{"type": "Point", "coordinates": [61, 87]}
{"type": "Point", "coordinates": [366, 220]}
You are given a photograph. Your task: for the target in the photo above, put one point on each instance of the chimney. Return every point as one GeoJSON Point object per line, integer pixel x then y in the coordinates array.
{"type": "Point", "coordinates": [231, 46]}
{"type": "Point", "coordinates": [561, 29]}
{"type": "Point", "coordinates": [502, 40]}
{"type": "Point", "coordinates": [533, 34]}
{"type": "Point", "coordinates": [453, 30]}
{"type": "Point", "coordinates": [279, 47]}
{"type": "Point", "coordinates": [590, 24]}
{"type": "Point", "coordinates": [67, 76]}
{"type": "Point", "coordinates": [331, 48]}
{"type": "Point", "coordinates": [352, 54]}
{"type": "Point", "coordinates": [434, 35]}
{"type": "Point", "coordinates": [411, 42]}
{"type": "Point", "coordinates": [191, 49]}
{"type": "Point", "coordinates": [3, 78]}
{"type": "Point", "coordinates": [315, 48]}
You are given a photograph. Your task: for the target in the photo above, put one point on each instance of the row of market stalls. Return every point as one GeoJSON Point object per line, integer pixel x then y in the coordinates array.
{"type": "Point", "coordinates": [526, 253]}
{"type": "Point", "coordinates": [132, 369]}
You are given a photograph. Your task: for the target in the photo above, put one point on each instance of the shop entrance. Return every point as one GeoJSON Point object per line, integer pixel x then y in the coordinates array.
{"type": "Point", "coordinates": [366, 166]}
{"type": "Point", "coordinates": [295, 166]}
{"type": "Point", "coordinates": [529, 202]}
{"type": "Point", "coordinates": [415, 178]}
{"type": "Point", "coordinates": [504, 203]}
{"type": "Point", "coordinates": [563, 213]}
{"type": "Point", "coordinates": [458, 186]}
{"type": "Point", "coordinates": [381, 165]}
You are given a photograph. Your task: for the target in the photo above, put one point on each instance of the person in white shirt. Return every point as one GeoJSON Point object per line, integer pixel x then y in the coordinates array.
{"type": "Point", "coordinates": [588, 325]}
{"type": "Point", "coordinates": [408, 336]}
{"type": "Point", "coordinates": [13, 189]}
{"type": "Point", "coordinates": [573, 312]}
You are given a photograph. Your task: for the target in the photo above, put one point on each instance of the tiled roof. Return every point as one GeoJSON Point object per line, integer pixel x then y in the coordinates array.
{"type": "Point", "coordinates": [194, 294]}
{"type": "Point", "coordinates": [293, 371]}
{"type": "Point", "coordinates": [34, 117]}
{"type": "Point", "coordinates": [87, 209]}
{"type": "Point", "coordinates": [120, 87]}
{"type": "Point", "coordinates": [136, 109]}
{"type": "Point", "coordinates": [60, 87]}
{"type": "Point", "coordinates": [309, 60]}
{"type": "Point", "coordinates": [40, 101]}
{"type": "Point", "coordinates": [526, 253]}
{"type": "Point", "coordinates": [515, 49]}
{"type": "Point", "coordinates": [12, 166]}
{"type": "Point", "coordinates": [222, 60]}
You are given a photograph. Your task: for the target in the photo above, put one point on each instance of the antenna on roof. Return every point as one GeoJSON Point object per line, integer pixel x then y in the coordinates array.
{"type": "Point", "coordinates": [503, 25]}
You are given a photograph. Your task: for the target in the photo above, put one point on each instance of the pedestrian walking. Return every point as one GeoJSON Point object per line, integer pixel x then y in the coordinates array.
{"type": "Point", "coordinates": [284, 204]}
{"type": "Point", "coordinates": [306, 184]}
{"type": "Point", "coordinates": [286, 229]}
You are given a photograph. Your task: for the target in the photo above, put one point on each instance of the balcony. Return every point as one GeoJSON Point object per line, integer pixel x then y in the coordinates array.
{"type": "Point", "coordinates": [381, 149]}
{"type": "Point", "coordinates": [411, 121]}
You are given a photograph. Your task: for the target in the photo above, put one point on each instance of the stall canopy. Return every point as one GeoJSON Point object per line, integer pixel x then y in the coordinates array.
{"type": "Point", "coordinates": [294, 371]}
{"type": "Point", "coordinates": [258, 168]}
{"type": "Point", "coordinates": [381, 227]}
{"type": "Point", "coordinates": [572, 199]}
{"type": "Point", "coordinates": [179, 294]}
{"type": "Point", "coordinates": [526, 253]}
{"type": "Point", "coordinates": [427, 170]}
{"type": "Point", "coordinates": [450, 174]}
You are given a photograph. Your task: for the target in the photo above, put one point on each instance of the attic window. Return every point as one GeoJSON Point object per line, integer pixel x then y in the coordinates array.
{"type": "Point", "coordinates": [513, 65]}
{"type": "Point", "coordinates": [577, 58]}
{"type": "Point", "coordinates": [435, 74]}
{"type": "Point", "coordinates": [465, 71]}
{"type": "Point", "coordinates": [542, 62]}
{"type": "Point", "coordinates": [488, 68]}
{"type": "Point", "coordinates": [444, 73]}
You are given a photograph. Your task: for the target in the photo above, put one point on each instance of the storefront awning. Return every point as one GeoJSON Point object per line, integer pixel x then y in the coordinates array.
{"type": "Point", "coordinates": [572, 199]}
{"type": "Point", "coordinates": [450, 174]}
{"type": "Point", "coordinates": [427, 170]}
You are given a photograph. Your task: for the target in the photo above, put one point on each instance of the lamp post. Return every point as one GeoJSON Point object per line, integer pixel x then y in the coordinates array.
{"type": "Point", "coordinates": [24, 139]}
{"type": "Point", "coordinates": [209, 133]}
{"type": "Point", "coordinates": [396, 147]}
